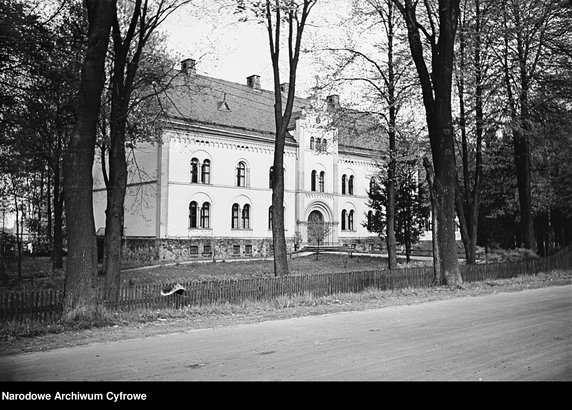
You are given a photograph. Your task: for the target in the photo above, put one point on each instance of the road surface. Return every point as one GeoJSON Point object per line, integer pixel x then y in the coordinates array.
{"type": "Point", "coordinates": [506, 336]}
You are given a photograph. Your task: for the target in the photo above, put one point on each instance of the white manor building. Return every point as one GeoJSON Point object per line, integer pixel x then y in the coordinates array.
{"type": "Point", "coordinates": [204, 190]}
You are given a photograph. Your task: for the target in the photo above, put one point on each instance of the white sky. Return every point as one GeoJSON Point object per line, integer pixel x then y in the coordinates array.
{"type": "Point", "coordinates": [231, 50]}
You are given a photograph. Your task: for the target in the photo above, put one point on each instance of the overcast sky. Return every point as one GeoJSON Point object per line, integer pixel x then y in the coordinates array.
{"type": "Point", "coordinates": [232, 50]}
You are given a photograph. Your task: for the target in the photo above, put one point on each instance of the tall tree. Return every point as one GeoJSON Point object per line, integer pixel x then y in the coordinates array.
{"type": "Point", "coordinates": [526, 31]}
{"type": "Point", "coordinates": [294, 15]}
{"type": "Point", "coordinates": [436, 87]}
{"type": "Point", "coordinates": [473, 79]}
{"type": "Point", "coordinates": [80, 291]}
{"type": "Point", "coordinates": [52, 110]}
{"type": "Point", "coordinates": [39, 77]}
{"type": "Point", "coordinates": [384, 69]}
{"type": "Point", "coordinates": [133, 28]}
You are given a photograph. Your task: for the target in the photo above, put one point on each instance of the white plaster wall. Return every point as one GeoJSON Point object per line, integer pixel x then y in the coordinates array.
{"type": "Point", "coordinates": [362, 169]}
{"type": "Point", "coordinates": [140, 196]}
{"type": "Point", "coordinates": [222, 192]}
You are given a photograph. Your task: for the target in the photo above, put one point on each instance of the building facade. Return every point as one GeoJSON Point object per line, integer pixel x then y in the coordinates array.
{"type": "Point", "coordinates": [204, 189]}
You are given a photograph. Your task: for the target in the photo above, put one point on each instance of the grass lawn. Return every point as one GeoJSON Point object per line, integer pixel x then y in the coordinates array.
{"type": "Point", "coordinates": [37, 273]}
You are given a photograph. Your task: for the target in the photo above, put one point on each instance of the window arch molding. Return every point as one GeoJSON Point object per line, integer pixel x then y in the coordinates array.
{"type": "Point", "coordinates": [201, 216]}
{"type": "Point", "coordinates": [240, 217]}
{"type": "Point", "coordinates": [317, 170]}
{"type": "Point", "coordinates": [201, 167]}
{"type": "Point", "coordinates": [348, 216]}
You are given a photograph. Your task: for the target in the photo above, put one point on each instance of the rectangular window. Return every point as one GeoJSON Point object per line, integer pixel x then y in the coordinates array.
{"type": "Point", "coordinates": [236, 250]}
{"type": "Point", "coordinates": [248, 249]}
{"type": "Point", "coordinates": [207, 250]}
{"type": "Point", "coordinates": [194, 250]}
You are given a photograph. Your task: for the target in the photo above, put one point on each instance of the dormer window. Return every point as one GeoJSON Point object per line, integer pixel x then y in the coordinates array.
{"type": "Point", "coordinates": [223, 105]}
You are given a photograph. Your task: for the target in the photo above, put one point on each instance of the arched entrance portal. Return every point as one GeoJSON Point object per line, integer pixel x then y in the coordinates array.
{"type": "Point", "coordinates": [319, 231]}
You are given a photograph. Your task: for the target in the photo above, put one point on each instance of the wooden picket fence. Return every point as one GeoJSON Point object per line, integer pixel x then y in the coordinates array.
{"type": "Point", "coordinates": [46, 305]}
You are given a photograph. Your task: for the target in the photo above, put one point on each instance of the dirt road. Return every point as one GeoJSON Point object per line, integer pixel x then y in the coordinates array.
{"type": "Point", "coordinates": [506, 336]}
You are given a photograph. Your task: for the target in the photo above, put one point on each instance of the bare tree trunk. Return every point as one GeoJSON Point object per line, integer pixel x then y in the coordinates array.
{"type": "Point", "coordinates": [296, 24]}
{"type": "Point", "coordinates": [114, 220]}
{"type": "Point", "coordinates": [469, 202]}
{"type": "Point", "coordinates": [278, 237]}
{"type": "Point", "coordinates": [521, 127]}
{"type": "Point", "coordinates": [18, 235]}
{"type": "Point", "coordinates": [436, 90]}
{"type": "Point", "coordinates": [522, 165]}
{"type": "Point", "coordinates": [116, 189]}
{"type": "Point", "coordinates": [127, 52]}
{"type": "Point", "coordinates": [58, 199]}
{"type": "Point", "coordinates": [391, 240]}
{"type": "Point", "coordinates": [80, 290]}
{"type": "Point", "coordinates": [49, 197]}
{"type": "Point", "coordinates": [430, 176]}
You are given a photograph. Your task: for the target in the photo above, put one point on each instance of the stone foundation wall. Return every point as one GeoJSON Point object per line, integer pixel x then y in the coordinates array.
{"type": "Point", "coordinates": [363, 244]}
{"type": "Point", "coordinates": [151, 249]}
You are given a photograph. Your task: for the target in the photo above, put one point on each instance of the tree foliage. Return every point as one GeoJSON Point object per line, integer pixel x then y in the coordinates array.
{"type": "Point", "coordinates": [412, 208]}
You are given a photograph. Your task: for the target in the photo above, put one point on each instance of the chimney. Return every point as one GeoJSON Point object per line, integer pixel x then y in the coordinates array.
{"type": "Point", "coordinates": [333, 101]}
{"type": "Point", "coordinates": [284, 87]}
{"type": "Point", "coordinates": [253, 82]}
{"type": "Point", "coordinates": [188, 66]}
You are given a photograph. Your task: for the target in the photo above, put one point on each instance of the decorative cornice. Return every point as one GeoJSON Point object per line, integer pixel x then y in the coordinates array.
{"type": "Point", "coordinates": [320, 195]}
{"type": "Point", "coordinates": [225, 140]}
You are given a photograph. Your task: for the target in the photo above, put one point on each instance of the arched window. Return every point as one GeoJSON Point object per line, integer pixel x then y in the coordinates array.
{"type": "Point", "coordinates": [312, 143]}
{"type": "Point", "coordinates": [205, 215]}
{"type": "Point", "coordinates": [194, 170]}
{"type": "Point", "coordinates": [234, 223]}
{"type": "Point", "coordinates": [343, 220]}
{"type": "Point", "coordinates": [206, 172]}
{"type": "Point", "coordinates": [270, 216]}
{"type": "Point", "coordinates": [344, 184]}
{"type": "Point", "coordinates": [324, 146]}
{"type": "Point", "coordinates": [313, 181]}
{"type": "Point", "coordinates": [271, 177]}
{"type": "Point", "coordinates": [351, 220]}
{"type": "Point", "coordinates": [193, 214]}
{"type": "Point", "coordinates": [241, 174]}
{"type": "Point", "coordinates": [246, 217]}
{"type": "Point", "coordinates": [318, 143]}
{"type": "Point", "coordinates": [321, 181]}
{"type": "Point", "coordinates": [351, 185]}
